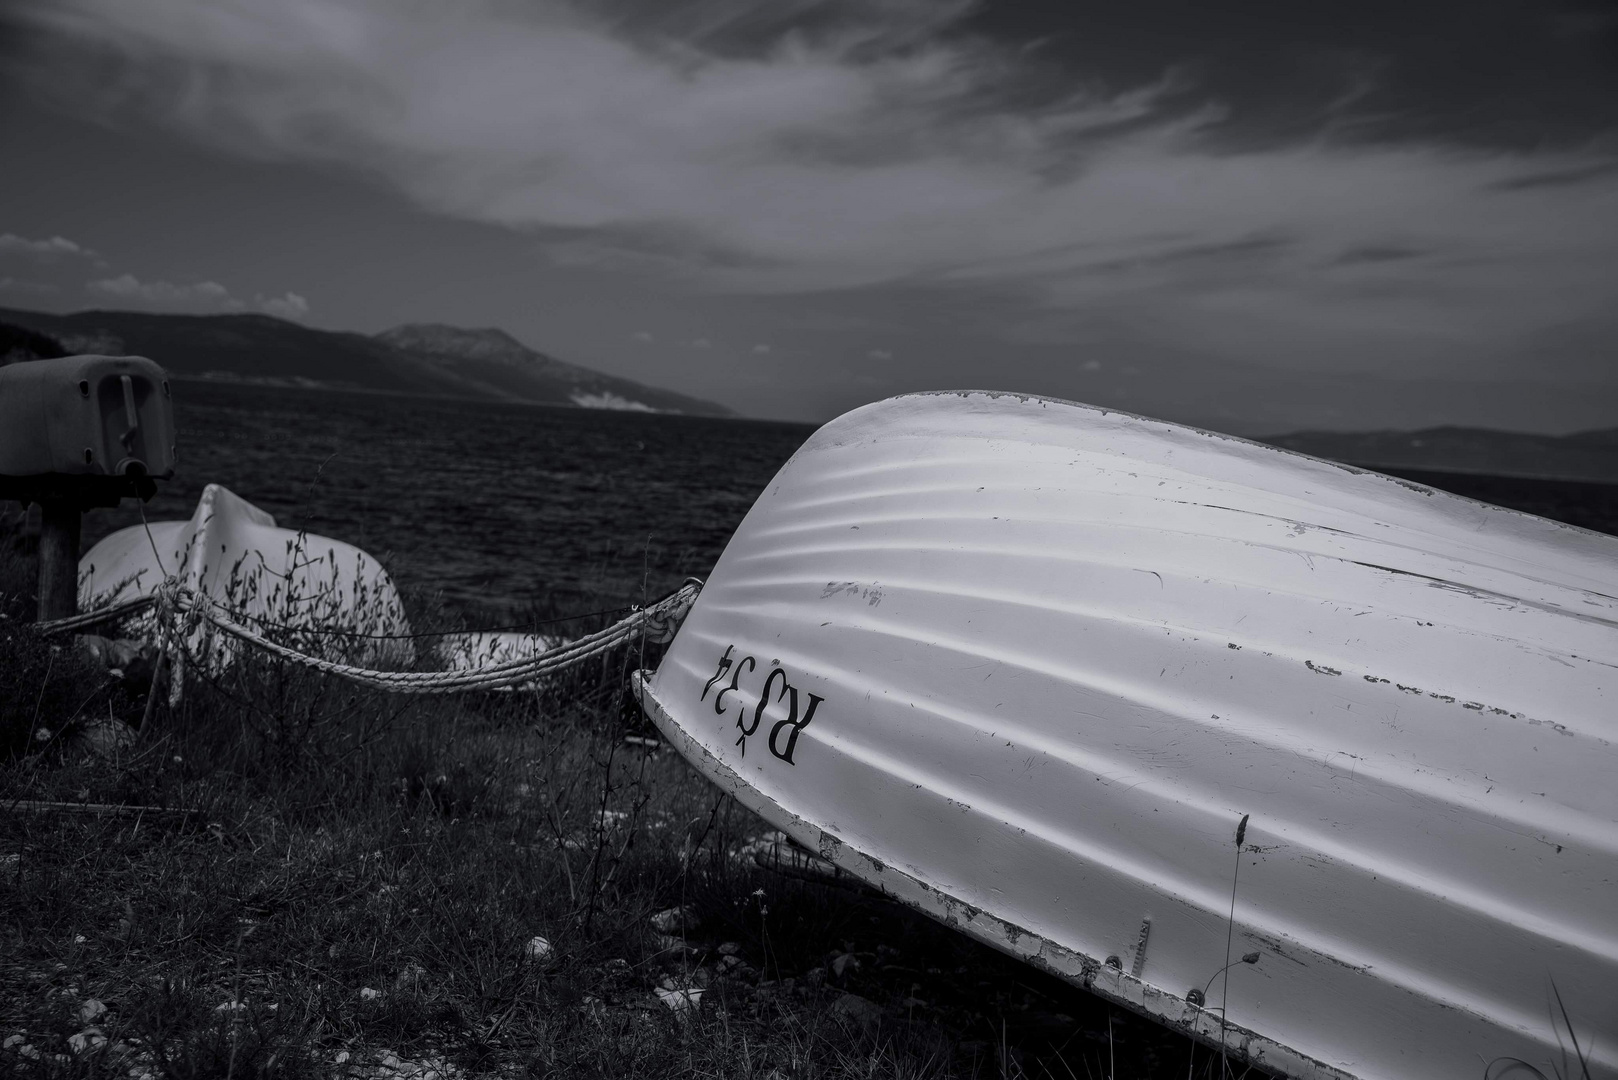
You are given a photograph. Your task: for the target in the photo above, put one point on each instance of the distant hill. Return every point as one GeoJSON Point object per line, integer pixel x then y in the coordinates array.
{"type": "Point", "coordinates": [501, 366]}
{"type": "Point", "coordinates": [1587, 455]}
{"type": "Point", "coordinates": [20, 343]}
{"type": "Point", "coordinates": [435, 360]}
{"type": "Point", "coordinates": [1607, 437]}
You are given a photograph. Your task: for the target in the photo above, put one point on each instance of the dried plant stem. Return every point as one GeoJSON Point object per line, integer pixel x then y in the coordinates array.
{"type": "Point", "coordinates": [1230, 931]}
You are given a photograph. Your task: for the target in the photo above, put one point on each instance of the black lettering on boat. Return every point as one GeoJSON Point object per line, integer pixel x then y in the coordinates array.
{"type": "Point", "coordinates": [724, 666]}
{"type": "Point", "coordinates": [735, 676]}
{"type": "Point", "coordinates": [794, 724]}
{"type": "Point", "coordinates": [763, 703]}
{"type": "Point", "coordinates": [782, 738]}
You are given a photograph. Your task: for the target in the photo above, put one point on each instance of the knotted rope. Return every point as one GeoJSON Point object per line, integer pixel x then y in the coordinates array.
{"type": "Point", "coordinates": [656, 622]}
{"type": "Point", "coordinates": [96, 617]}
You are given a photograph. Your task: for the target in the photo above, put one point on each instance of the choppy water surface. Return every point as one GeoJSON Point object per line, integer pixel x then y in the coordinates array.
{"type": "Point", "coordinates": [504, 509]}
{"type": "Point", "coordinates": [501, 508]}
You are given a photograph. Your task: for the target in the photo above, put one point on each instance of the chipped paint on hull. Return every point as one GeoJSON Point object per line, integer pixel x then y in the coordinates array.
{"type": "Point", "coordinates": [1125, 989]}
{"type": "Point", "coordinates": [1024, 664]}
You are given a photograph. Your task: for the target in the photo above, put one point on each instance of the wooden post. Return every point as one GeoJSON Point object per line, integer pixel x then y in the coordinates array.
{"type": "Point", "coordinates": [59, 521]}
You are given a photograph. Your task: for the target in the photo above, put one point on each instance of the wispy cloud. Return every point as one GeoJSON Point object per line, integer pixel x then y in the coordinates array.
{"type": "Point", "coordinates": [206, 296]}
{"type": "Point", "coordinates": [12, 244]}
{"type": "Point", "coordinates": [833, 144]}
{"type": "Point", "coordinates": [129, 287]}
{"type": "Point", "coordinates": [858, 150]}
{"type": "Point", "coordinates": [61, 259]}
{"type": "Point", "coordinates": [287, 306]}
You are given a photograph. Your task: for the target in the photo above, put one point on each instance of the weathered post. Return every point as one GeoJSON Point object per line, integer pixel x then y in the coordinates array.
{"type": "Point", "coordinates": [76, 433]}
{"type": "Point", "coordinates": [59, 527]}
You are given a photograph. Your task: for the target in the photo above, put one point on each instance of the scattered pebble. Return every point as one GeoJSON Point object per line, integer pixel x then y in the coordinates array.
{"type": "Point", "coordinates": [680, 1000]}
{"type": "Point", "coordinates": [368, 994]}
{"type": "Point", "coordinates": [861, 1012]}
{"type": "Point", "coordinates": [107, 737]}
{"type": "Point", "coordinates": [734, 967]}
{"type": "Point", "coordinates": [410, 977]}
{"type": "Point", "coordinates": [729, 948]}
{"type": "Point", "coordinates": [87, 1041]}
{"type": "Point", "coordinates": [671, 920]}
{"type": "Point", "coordinates": [776, 851]}
{"type": "Point", "coordinates": [842, 962]}
{"type": "Point", "coordinates": [390, 1066]}
{"type": "Point", "coordinates": [91, 1011]}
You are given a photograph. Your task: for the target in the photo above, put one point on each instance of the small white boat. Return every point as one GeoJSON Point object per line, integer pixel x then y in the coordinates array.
{"type": "Point", "coordinates": [1027, 664]}
{"type": "Point", "coordinates": [325, 596]}
{"type": "Point", "coordinates": [334, 599]}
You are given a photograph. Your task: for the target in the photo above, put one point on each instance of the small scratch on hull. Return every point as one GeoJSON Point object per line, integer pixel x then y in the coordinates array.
{"type": "Point", "coordinates": [1125, 989]}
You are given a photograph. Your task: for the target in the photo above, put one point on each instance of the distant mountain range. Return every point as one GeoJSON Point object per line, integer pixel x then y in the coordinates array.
{"type": "Point", "coordinates": [415, 359]}
{"type": "Point", "coordinates": [492, 365]}
{"type": "Point", "coordinates": [1587, 455]}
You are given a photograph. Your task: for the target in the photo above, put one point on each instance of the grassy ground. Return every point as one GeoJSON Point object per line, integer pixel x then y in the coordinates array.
{"type": "Point", "coordinates": [357, 882]}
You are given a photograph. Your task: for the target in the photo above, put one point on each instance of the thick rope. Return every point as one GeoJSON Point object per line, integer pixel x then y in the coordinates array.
{"type": "Point", "coordinates": [96, 617]}
{"type": "Point", "coordinates": [657, 621]}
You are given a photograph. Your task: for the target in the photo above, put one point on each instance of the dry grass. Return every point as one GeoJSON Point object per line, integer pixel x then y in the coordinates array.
{"type": "Point", "coordinates": [363, 875]}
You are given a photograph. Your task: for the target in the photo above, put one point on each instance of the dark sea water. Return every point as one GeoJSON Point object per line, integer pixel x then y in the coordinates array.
{"type": "Point", "coordinates": [509, 511]}
{"type": "Point", "coordinates": [503, 509]}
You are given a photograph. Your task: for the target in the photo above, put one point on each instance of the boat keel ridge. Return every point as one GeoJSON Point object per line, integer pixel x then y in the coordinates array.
{"type": "Point", "coordinates": [1112, 984]}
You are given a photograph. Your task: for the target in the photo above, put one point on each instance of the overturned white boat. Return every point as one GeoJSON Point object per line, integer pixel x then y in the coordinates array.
{"type": "Point", "coordinates": [324, 596]}
{"type": "Point", "coordinates": [1026, 665]}
{"type": "Point", "coordinates": [333, 598]}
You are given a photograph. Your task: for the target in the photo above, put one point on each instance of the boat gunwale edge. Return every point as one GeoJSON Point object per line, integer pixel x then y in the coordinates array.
{"type": "Point", "coordinates": [1112, 984]}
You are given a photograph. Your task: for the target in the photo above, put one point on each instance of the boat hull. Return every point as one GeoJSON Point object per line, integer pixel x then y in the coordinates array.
{"type": "Point", "coordinates": [1027, 664]}
{"type": "Point", "coordinates": [333, 599]}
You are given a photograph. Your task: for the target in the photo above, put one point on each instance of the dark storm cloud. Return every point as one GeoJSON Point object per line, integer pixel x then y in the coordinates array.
{"type": "Point", "coordinates": [1562, 178]}
{"type": "Point", "coordinates": [1301, 184]}
{"type": "Point", "coordinates": [1377, 254]}
{"type": "Point", "coordinates": [1519, 74]}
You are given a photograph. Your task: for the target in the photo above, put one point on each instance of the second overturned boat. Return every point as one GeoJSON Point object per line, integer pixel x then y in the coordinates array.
{"type": "Point", "coordinates": [1027, 665]}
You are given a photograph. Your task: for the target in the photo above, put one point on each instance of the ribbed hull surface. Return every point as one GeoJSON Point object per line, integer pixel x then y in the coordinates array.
{"type": "Point", "coordinates": [1027, 664]}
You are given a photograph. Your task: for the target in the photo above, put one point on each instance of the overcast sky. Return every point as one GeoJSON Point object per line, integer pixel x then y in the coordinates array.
{"type": "Point", "coordinates": [1255, 216]}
